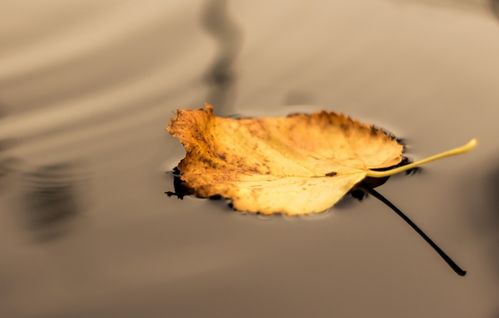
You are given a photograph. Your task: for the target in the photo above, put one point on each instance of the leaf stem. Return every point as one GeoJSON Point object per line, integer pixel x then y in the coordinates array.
{"type": "Point", "coordinates": [456, 151]}
{"type": "Point", "coordinates": [458, 270]}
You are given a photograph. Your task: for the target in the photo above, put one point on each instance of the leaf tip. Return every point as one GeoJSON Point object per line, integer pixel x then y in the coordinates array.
{"type": "Point", "coordinates": [471, 144]}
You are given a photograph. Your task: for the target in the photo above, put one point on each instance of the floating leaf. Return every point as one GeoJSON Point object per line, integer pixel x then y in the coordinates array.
{"type": "Point", "coordinates": [296, 165]}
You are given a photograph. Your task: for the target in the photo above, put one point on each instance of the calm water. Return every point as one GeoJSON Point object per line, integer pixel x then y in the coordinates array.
{"type": "Point", "coordinates": [87, 87]}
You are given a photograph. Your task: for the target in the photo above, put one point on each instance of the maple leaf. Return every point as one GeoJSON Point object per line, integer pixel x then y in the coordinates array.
{"type": "Point", "coordinates": [296, 165]}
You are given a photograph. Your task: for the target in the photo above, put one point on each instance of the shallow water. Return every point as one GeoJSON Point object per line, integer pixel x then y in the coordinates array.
{"type": "Point", "coordinates": [86, 89]}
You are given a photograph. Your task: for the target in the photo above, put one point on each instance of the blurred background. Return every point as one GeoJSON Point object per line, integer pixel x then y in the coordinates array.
{"type": "Point", "coordinates": [87, 87]}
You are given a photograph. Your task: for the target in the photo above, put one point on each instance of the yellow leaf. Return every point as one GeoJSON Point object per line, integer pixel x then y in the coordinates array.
{"type": "Point", "coordinates": [296, 165]}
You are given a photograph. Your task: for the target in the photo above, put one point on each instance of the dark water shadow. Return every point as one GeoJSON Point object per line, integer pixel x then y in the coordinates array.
{"type": "Point", "coordinates": [7, 162]}
{"type": "Point", "coordinates": [51, 200]}
{"type": "Point", "coordinates": [494, 7]}
{"type": "Point", "coordinates": [221, 76]}
{"type": "Point", "coordinates": [489, 224]}
{"type": "Point", "coordinates": [180, 189]}
{"type": "Point", "coordinates": [479, 196]}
